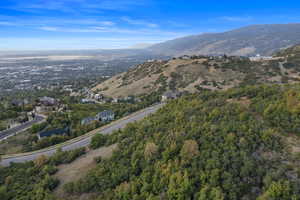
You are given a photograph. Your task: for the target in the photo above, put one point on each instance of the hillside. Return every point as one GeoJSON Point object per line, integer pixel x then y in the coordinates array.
{"type": "Point", "coordinates": [251, 40]}
{"type": "Point", "coordinates": [196, 73]}
{"type": "Point", "coordinates": [239, 144]}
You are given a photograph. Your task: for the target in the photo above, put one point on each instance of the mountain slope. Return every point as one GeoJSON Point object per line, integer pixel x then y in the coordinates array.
{"type": "Point", "coordinates": [228, 145]}
{"type": "Point", "coordinates": [251, 40]}
{"type": "Point", "coordinates": [199, 72]}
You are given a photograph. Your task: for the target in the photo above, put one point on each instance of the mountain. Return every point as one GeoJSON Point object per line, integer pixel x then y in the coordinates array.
{"type": "Point", "coordinates": [247, 41]}
{"type": "Point", "coordinates": [141, 46]}
{"type": "Point", "coordinates": [196, 73]}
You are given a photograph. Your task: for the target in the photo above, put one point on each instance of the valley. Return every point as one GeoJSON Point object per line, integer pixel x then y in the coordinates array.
{"type": "Point", "coordinates": [38, 72]}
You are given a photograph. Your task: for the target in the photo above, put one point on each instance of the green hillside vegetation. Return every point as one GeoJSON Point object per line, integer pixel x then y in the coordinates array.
{"type": "Point", "coordinates": [34, 180]}
{"type": "Point", "coordinates": [241, 143]}
{"type": "Point", "coordinates": [211, 146]}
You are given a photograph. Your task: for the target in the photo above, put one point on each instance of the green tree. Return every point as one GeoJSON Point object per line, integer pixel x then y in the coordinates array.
{"type": "Point", "coordinates": [98, 140]}
{"type": "Point", "coordinates": [210, 193]}
{"type": "Point", "coordinates": [151, 151]}
{"type": "Point", "coordinates": [180, 186]}
{"type": "Point", "coordinates": [190, 149]}
{"type": "Point", "coordinates": [280, 190]}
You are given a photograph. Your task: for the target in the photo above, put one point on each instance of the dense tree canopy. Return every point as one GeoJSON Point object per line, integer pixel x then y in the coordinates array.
{"type": "Point", "coordinates": [212, 146]}
{"type": "Point", "coordinates": [228, 145]}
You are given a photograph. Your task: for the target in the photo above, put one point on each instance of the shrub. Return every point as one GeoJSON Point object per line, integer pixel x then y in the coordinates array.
{"type": "Point", "coordinates": [98, 141]}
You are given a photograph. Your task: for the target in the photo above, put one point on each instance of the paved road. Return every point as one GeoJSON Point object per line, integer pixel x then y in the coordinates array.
{"type": "Point", "coordinates": [13, 131]}
{"type": "Point", "coordinates": [84, 142]}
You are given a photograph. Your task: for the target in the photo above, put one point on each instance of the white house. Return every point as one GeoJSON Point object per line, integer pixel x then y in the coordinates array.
{"type": "Point", "coordinates": [106, 115]}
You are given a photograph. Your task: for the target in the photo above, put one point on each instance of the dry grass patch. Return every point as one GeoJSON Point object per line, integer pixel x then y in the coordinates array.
{"type": "Point", "coordinates": [79, 168]}
{"type": "Point", "coordinates": [14, 144]}
{"type": "Point", "coordinates": [244, 101]}
{"type": "Point", "coordinates": [293, 144]}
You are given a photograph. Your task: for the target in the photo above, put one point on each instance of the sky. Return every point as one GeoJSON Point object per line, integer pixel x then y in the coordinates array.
{"type": "Point", "coordinates": [113, 24]}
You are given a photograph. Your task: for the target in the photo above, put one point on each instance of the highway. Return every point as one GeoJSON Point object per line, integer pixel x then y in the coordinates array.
{"type": "Point", "coordinates": [13, 131]}
{"type": "Point", "coordinates": [82, 141]}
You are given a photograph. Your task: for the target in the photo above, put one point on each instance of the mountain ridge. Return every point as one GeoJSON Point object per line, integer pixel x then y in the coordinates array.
{"type": "Point", "coordinates": [262, 39]}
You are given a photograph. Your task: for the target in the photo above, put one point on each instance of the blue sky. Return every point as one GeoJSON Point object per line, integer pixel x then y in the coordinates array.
{"type": "Point", "coordinates": [102, 24]}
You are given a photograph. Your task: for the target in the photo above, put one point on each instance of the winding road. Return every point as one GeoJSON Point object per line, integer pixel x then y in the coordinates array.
{"type": "Point", "coordinates": [13, 131]}
{"type": "Point", "coordinates": [81, 141]}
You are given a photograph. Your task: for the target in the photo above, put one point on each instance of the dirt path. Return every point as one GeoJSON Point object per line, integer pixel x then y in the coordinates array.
{"type": "Point", "coordinates": [79, 168]}
{"type": "Point", "coordinates": [283, 70]}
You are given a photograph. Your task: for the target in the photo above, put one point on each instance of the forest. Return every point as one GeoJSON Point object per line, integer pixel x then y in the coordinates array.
{"type": "Point", "coordinates": [215, 145]}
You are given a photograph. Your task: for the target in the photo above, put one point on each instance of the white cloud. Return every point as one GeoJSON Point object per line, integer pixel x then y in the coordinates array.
{"type": "Point", "coordinates": [52, 22]}
{"type": "Point", "coordinates": [107, 23]}
{"type": "Point", "coordinates": [48, 28]}
{"type": "Point", "coordinates": [4, 23]}
{"type": "Point", "coordinates": [139, 22]}
{"type": "Point", "coordinates": [104, 29]}
{"type": "Point", "coordinates": [73, 6]}
{"type": "Point", "coordinates": [236, 18]}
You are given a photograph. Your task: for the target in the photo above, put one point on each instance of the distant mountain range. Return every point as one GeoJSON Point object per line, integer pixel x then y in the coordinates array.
{"type": "Point", "coordinates": [247, 41]}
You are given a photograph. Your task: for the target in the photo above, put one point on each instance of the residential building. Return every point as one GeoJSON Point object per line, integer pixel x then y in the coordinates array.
{"type": "Point", "coordinates": [115, 100]}
{"type": "Point", "coordinates": [18, 102]}
{"type": "Point", "coordinates": [47, 101]}
{"type": "Point", "coordinates": [106, 116]}
{"type": "Point", "coordinates": [53, 132]}
{"type": "Point", "coordinates": [87, 101]}
{"type": "Point", "coordinates": [88, 120]}
{"type": "Point", "coordinates": [170, 95]}
{"type": "Point", "coordinates": [98, 97]}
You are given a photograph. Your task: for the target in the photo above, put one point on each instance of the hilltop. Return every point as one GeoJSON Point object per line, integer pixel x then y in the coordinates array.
{"type": "Point", "coordinates": [196, 73]}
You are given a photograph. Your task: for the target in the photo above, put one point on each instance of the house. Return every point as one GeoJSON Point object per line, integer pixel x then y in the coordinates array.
{"type": "Point", "coordinates": [42, 109]}
{"type": "Point", "coordinates": [30, 115]}
{"type": "Point", "coordinates": [128, 99]}
{"type": "Point", "coordinates": [87, 101]}
{"type": "Point", "coordinates": [98, 97]}
{"type": "Point", "coordinates": [17, 102]}
{"type": "Point", "coordinates": [53, 132]}
{"type": "Point", "coordinates": [47, 101]}
{"type": "Point", "coordinates": [185, 57]}
{"type": "Point", "coordinates": [88, 120]}
{"type": "Point", "coordinates": [106, 115]}
{"type": "Point", "coordinates": [169, 95]}
{"type": "Point", "coordinates": [116, 100]}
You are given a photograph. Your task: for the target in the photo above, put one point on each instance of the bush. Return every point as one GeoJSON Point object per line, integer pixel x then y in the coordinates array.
{"type": "Point", "coordinates": [98, 141]}
{"type": "Point", "coordinates": [98, 159]}
{"type": "Point", "coordinates": [63, 157]}
{"type": "Point", "coordinates": [38, 127]}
